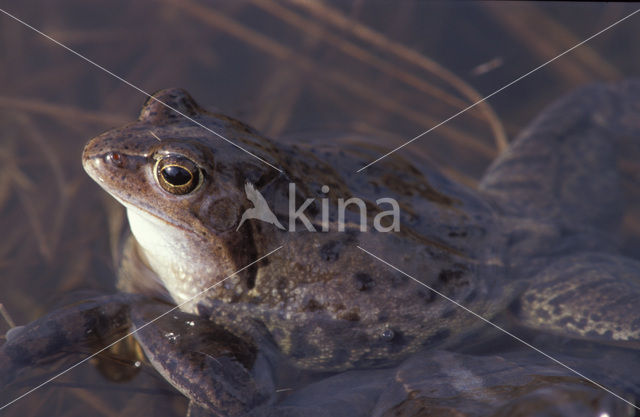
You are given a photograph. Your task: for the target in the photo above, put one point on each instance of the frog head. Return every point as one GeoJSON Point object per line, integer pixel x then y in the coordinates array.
{"type": "Point", "coordinates": [183, 189]}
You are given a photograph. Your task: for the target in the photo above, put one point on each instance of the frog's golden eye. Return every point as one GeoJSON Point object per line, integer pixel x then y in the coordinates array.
{"type": "Point", "coordinates": [177, 174]}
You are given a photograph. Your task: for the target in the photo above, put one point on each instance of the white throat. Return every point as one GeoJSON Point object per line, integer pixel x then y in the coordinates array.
{"type": "Point", "coordinates": [168, 251]}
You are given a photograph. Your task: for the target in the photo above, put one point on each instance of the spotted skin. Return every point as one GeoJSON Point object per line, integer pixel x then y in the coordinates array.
{"type": "Point", "coordinates": [560, 185]}
{"type": "Point", "coordinates": [541, 227]}
{"type": "Point", "coordinates": [590, 295]}
{"type": "Point", "coordinates": [325, 306]}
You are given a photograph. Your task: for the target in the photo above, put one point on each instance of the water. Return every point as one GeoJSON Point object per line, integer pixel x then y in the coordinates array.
{"type": "Point", "coordinates": [286, 70]}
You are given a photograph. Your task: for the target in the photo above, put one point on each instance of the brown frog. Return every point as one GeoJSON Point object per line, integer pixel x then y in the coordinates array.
{"type": "Point", "coordinates": [539, 231]}
{"type": "Point", "coordinates": [319, 296]}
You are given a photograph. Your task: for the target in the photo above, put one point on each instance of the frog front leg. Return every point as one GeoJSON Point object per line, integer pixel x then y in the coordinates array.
{"type": "Point", "coordinates": [65, 333]}
{"type": "Point", "coordinates": [222, 374]}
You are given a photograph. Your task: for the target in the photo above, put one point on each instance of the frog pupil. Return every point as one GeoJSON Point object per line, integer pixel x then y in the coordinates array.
{"type": "Point", "coordinates": [176, 175]}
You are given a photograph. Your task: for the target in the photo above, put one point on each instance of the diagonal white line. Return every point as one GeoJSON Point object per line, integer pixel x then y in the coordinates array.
{"type": "Point", "coordinates": [136, 330]}
{"type": "Point", "coordinates": [155, 136]}
{"type": "Point", "coordinates": [500, 89]}
{"type": "Point", "coordinates": [501, 329]}
{"type": "Point", "coordinates": [136, 88]}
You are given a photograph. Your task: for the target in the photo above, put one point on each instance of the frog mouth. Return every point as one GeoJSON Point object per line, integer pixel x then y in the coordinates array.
{"type": "Point", "coordinates": [93, 167]}
{"type": "Point", "coordinates": [139, 208]}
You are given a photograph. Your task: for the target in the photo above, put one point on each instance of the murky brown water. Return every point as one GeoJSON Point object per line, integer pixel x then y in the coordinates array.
{"type": "Point", "coordinates": [389, 70]}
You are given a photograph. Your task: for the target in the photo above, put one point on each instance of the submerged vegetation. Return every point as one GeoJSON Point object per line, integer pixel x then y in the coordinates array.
{"type": "Point", "coordinates": [384, 70]}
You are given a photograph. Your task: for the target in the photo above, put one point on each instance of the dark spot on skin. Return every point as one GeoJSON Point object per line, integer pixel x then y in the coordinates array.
{"type": "Point", "coordinates": [592, 334]}
{"type": "Point", "coordinates": [330, 251]}
{"type": "Point", "coordinates": [351, 315]}
{"type": "Point", "coordinates": [467, 231]}
{"type": "Point", "coordinates": [565, 320]}
{"type": "Point", "coordinates": [458, 233]}
{"type": "Point", "coordinates": [398, 280]}
{"type": "Point", "coordinates": [449, 275]}
{"type": "Point", "coordinates": [383, 317]}
{"type": "Point", "coordinates": [281, 285]}
{"type": "Point", "coordinates": [364, 281]}
{"type": "Point", "coordinates": [543, 314]}
{"type": "Point", "coordinates": [395, 340]}
{"type": "Point", "coordinates": [352, 237]}
{"type": "Point", "coordinates": [312, 305]}
{"type": "Point", "coordinates": [427, 295]}
{"type": "Point", "coordinates": [251, 281]}
{"type": "Point", "coordinates": [562, 298]}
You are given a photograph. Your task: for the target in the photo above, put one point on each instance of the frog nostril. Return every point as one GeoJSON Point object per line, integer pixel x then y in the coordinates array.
{"type": "Point", "coordinates": [115, 158]}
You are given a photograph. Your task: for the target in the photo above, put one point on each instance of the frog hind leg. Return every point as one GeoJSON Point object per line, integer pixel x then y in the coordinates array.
{"type": "Point", "coordinates": [591, 296]}
{"type": "Point", "coordinates": [562, 168]}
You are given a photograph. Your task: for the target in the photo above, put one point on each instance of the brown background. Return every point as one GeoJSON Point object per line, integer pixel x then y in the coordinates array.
{"type": "Point", "coordinates": [388, 69]}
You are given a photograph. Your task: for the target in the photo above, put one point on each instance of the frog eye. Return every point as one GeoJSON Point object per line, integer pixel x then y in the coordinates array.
{"type": "Point", "coordinates": [177, 174]}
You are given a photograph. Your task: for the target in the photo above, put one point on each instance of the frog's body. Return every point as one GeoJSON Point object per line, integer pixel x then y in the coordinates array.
{"type": "Point", "coordinates": [543, 211]}
{"type": "Point", "coordinates": [323, 303]}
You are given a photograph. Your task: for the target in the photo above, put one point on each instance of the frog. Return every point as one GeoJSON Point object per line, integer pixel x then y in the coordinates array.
{"type": "Point", "coordinates": [231, 374]}
{"type": "Point", "coordinates": [537, 237]}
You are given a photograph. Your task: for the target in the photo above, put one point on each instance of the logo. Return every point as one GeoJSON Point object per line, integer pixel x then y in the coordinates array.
{"type": "Point", "coordinates": [261, 211]}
